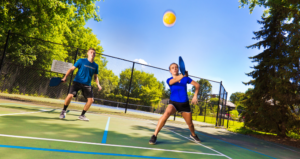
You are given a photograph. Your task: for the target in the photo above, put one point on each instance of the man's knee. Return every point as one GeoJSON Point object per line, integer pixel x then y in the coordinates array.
{"type": "Point", "coordinates": [91, 100]}
{"type": "Point", "coordinates": [70, 96]}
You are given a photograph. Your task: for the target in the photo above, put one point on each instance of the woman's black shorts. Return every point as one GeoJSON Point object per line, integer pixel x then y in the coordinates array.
{"type": "Point", "coordinates": [181, 107]}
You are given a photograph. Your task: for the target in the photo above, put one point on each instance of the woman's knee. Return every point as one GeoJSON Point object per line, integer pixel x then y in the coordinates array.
{"type": "Point", "coordinates": [167, 114]}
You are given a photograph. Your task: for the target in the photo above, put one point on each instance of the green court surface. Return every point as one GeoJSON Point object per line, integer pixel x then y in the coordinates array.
{"type": "Point", "coordinates": [35, 131]}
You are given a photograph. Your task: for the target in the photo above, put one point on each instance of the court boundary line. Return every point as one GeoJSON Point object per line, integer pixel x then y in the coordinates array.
{"type": "Point", "coordinates": [143, 120]}
{"type": "Point", "coordinates": [105, 132]}
{"type": "Point", "coordinates": [221, 154]}
{"type": "Point", "coordinates": [229, 143]}
{"type": "Point", "coordinates": [24, 113]}
{"type": "Point", "coordinates": [80, 152]}
{"type": "Point", "coordinates": [111, 145]}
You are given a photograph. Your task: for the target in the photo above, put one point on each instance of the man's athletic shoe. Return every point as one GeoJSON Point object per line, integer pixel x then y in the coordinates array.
{"type": "Point", "coordinates": [152, 141]}
{"type": "Point", "coordinates": [195, 138]}
{"type": "Point", "coordinates": [83, 117]}
{"type": "Point", "coordinates": [62, 114]}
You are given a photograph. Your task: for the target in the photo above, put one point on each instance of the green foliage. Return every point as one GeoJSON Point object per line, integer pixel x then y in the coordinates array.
{"type": "Point", "coordinates": [294, 135]}
{"type": "Point", "coordinates": [214, 101]}
{"type": "Point", "coordinates": [196, 109]}
{"type": "Point", "coordinates": [270, 106]}
{"type": "Point", "coordinates": [205, 89]}
{"type": "Point", "coordinates": [190, 94]}
{"type": "Point", "coordinates": [144, 86]}
{"type": "Point", "coordinates": [16, 90]}
{"type": "Point", "coordinates": [57, 21]}
{"type": "Point", "coordinates": [166, 92]}
{"type": "Point", "coordinates": [236, 97]}
{"type": "Point", "coordinates": [61, 22]}
{"type": "Point", "coordinates": [234, 114]}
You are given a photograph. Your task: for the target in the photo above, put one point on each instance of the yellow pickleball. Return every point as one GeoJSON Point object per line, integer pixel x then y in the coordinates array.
{"type": "Point", "coordinates": [169, 18]}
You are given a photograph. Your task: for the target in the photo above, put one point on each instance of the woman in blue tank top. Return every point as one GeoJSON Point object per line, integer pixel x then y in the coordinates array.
{"type": "Point", "coordinates": [179, 101]}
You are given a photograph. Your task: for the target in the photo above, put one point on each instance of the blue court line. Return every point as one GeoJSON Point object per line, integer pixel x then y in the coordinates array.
{"type": "Point", "coordinates": [236, 145]}
{"type": "Point", "coordinates": [105, 132]}
{"type": "Point", "coordinates": [80, 152]}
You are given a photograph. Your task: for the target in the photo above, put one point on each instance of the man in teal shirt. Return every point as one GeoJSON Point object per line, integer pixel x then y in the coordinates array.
{"type": "Point", "coordinates": [87, 68]}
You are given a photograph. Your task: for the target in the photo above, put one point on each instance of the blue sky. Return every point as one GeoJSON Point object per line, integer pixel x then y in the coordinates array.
{"type": "Point", "coordinates": [211, 37]}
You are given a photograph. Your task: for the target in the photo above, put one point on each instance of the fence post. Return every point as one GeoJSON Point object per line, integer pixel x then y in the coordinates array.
{"type": "Point", "coordinates": [5, 47]}
{"type": "Point", "coordinates": [228, 118]}
{"type": "Point", "coordinates": [129, 86]}
{"type": "Point", "coordinates": [225, 107]}
{"type": "Point", "coordinates": [73, 71]}
{"type": "Point", "coordinates": [221, 111]}
{"type": "Point", "coordinates": [218, 104]}
{"type": "Point", "coordinates": [205, 108]}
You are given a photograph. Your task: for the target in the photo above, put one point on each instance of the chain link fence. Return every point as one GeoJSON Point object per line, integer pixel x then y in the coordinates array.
{"type": "Point", "coordinates": [129, 85]}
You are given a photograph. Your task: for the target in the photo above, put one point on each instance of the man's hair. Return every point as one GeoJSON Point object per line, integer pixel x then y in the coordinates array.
{"type": "Point", "coordinates": [172, 64]}
{"type": "Point", "coordinates": [91, 49]}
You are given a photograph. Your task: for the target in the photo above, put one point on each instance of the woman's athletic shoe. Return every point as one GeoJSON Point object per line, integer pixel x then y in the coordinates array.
{"type": "Point", "coordinates": [195, 138]}
{"type": "Point", "coordinates": [152, 141]}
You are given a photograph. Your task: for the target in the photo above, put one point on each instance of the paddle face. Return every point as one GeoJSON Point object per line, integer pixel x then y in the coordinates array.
{"type": "Point", "coordinates": [181, 66]}
{"type": "Point", "coordinates": [55, 81]}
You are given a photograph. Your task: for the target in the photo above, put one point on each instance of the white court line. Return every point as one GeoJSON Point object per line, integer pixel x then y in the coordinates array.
{"type": "Point", "coordinates": [23, 113]}
{"type": "Point", "coordinates": [195, 142]}
{"type": "Point", "coordinates": [112, 145]}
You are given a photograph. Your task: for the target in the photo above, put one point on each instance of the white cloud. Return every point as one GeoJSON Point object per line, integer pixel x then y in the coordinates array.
{"type": "Point", "coordinates": [141, 61]}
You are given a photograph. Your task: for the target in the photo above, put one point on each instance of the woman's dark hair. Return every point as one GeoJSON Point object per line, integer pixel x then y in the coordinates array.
{"type": "Point", "coordinates": [172, 64]}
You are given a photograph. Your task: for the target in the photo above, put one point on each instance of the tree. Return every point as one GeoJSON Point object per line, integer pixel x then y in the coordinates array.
{"type": "Point", "coordinates": [166, 92]}
{"type": "Point", "coordinates": [144, 86]}
{"type": "Point", "coordinates": [56, 21]}
{"type": "Point", "coordinates": [204, 91]}
{"type": "Point", "coordinates": [234, 114]}
{"type": "Point", "coordinates": [270, 106]}
{"type": "Point", "coordinates": [236, 97]}
{"type": "Point", "coordinates": [61, 22]}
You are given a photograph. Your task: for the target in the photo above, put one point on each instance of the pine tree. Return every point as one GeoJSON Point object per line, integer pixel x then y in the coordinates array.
{"type": "Point", "coordinates": [271, 104]}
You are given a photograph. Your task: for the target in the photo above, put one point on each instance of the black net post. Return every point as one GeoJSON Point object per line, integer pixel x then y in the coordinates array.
{"type": "Point", "coordinates": [221, 103]}
{"type": "Point", "coordinates": [228, 117]}
{"type": "Point", "coordinates": [218, 104]}
{"type": "Point", "coordinates": [205, 108]}
{"type": "Point", "coordinates": [73, 71]}
{"type": "Point", "coordinates": [5, 47]}
{"type": "Point", "coordinates": [224, 110]}
{"type": "Point", "coordinates": [129, 87]}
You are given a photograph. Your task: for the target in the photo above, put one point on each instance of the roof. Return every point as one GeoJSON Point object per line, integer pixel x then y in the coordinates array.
{"type": "Point", "coordinates": [229, 104]}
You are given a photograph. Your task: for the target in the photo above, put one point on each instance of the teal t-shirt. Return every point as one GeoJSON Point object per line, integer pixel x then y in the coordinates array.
{"type": "Point", "coordinates": [86, 70]}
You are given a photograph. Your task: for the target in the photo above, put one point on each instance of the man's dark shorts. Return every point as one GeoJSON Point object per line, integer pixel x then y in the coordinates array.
{"type": "Point", "coordinates": [87, 91]}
